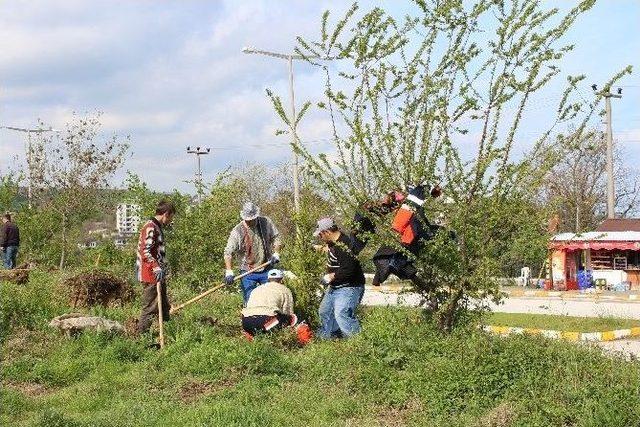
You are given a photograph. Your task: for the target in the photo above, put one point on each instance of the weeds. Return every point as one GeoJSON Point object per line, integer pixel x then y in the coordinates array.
{"type": "Point", "coordinates": [399, 371]}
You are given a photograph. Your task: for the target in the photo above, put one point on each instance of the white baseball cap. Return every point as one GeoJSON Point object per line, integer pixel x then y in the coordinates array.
{"type": "Point", "coordinates": [324, 224]}
{"type": "Point", "coordinates": [275, 274]}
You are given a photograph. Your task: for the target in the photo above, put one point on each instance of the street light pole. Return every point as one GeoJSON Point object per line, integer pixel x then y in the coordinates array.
{"type": "Point", "coordinates": [294, 131]}
{"type": "Point", "coordinates": [29, 132]}
{"type": "Point", "coordinates": [199, 152]}
{"type": "Point", "coordinates": [294, 134]}
{"type": "Point", "coordinates": [611, 198]}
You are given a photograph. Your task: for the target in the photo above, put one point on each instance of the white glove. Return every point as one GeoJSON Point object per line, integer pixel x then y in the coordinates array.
{"type": "Point", "coordinates": [327, 278]}
{"type": "Point", "coordinates": [275, 258]}
{"type": "Point", "coordinates": [228, 276]}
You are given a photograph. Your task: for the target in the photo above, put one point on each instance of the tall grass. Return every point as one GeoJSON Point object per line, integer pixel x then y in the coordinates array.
{"type": "Point", "coordinates": [399, 371]}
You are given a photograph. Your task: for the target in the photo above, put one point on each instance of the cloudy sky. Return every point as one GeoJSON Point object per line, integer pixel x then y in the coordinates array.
{"type": "Point", "coordinates": [172, 74]}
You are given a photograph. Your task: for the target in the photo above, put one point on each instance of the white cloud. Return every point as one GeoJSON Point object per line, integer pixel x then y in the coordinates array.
{"type": "Point", "coordinates": [170, 74]}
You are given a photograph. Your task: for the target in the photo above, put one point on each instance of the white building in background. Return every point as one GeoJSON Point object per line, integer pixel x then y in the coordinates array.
{"type": "Point", "coordinates": [127, 218]}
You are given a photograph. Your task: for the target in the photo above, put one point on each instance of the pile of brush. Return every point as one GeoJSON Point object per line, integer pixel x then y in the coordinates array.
{"type": "Point", "coordinates": [97, 287]}
{"type": "Point", "coordinates": [19, 275]}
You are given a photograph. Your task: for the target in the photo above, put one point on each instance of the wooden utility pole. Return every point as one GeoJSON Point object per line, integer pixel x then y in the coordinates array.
{"type": "Point", "coordinates": [611, 197]}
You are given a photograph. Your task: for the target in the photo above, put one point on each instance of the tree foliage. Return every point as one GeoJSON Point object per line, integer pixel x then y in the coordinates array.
{"type": "Point", "coordinates": [440, 97]}
{"type": "Point", "coordinates": [577, 184]}
{"type": "Point", "coordinates": [69, 172]}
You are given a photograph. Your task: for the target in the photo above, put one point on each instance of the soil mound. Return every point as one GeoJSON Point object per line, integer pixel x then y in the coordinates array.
{"type": "Point", "coordinates": [97, 287]}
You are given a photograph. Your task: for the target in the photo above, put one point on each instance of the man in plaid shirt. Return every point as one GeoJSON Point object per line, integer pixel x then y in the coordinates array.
{"type": "Point", "coordinates": [150, 265]}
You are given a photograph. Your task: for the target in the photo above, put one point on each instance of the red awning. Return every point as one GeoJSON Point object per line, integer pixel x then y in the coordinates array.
{"type": "Point", "coordinates": [596, 245]}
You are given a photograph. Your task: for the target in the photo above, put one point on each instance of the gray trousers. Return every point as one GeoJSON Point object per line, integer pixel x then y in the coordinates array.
{"type": "Point", "coordinates": [150, 305]}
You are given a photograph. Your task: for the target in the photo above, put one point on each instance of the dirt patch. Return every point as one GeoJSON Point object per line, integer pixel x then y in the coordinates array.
{"type": "Point", "coordinates": [131, 327]}
{"type": "Point", "coordinates": [97, 287]}
{"type": "Point", "coordinates": [398, 416]}
{"type": "Point", "coordinates": [502, 415]}
{"type": "Point", "coordinates": [27, 388]}
{"type": "Point", "coordinates": [195, 390]}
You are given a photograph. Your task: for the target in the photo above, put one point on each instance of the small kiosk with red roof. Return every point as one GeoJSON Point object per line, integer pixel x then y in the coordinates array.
{"type": "Point", "coordinates": [610, 255]}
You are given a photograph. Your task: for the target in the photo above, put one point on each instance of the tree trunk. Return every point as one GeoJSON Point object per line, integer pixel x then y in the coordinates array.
{"type": "Point", "coordinates": [64, 241]}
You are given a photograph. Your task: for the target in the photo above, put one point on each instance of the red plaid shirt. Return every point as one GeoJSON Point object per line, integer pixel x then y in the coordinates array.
{"type": "Point", "coordinates": [151, 251]}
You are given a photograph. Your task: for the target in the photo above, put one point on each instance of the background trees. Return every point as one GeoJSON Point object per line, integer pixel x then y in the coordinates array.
{"type": "Point", "coordinates": [577, 184]}
{"type": "Point", "coordinates": [70, 172]}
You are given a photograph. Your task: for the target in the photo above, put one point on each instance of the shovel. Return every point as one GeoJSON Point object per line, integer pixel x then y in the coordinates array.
{"type": "Point", "coordinates": [215, 288]}
{"type": "Point", "coordinates": [160, 314]}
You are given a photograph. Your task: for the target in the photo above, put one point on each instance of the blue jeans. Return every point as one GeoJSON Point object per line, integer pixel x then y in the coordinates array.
{"type": "Point", "coordinates": [10, 254]}
{"type": "Point", "coordinates": [250, 282]}
{"type": "Point", "coordinates": [338, 312]}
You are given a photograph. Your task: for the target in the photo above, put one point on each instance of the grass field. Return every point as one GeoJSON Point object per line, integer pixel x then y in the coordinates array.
{"type": "Point", "coordinates": [399, 371]}
{"type": "Point", "coordinates": [559, 323]}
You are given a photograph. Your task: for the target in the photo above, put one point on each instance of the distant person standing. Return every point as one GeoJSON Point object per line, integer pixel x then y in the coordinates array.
{"type": "Point", "coordinates": [151, 265]}
{"type": "Point", "coordinates": [257, 240]}
{"type": "Point", "coordinates": [9, 241]}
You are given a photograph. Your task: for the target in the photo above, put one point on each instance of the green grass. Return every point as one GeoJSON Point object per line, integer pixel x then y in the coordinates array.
{"type": "Point", "coordinates": [399, 371]}
{"type": "Point", "coordinates": [559, 323]}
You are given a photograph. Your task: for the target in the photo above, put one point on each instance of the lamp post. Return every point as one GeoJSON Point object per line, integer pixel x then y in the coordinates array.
{"type": "Point", "coordinates": [294, 135]}
{"type": "Point", "coordinates": [199, 152]}
{"type": "Point", "coordinates": [611, 198]}
{"type": "Point", "coordinates": [29, 132]}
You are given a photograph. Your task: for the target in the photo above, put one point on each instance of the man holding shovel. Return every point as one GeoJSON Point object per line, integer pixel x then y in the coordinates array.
{"type": "Point", "coordinates": [151, 267]}
{"type": "Point", "coordinates": [256, 239]}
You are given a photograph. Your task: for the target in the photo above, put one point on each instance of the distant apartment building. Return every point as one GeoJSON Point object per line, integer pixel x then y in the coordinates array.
{"type": "Point", "coordinates": [127, 218]}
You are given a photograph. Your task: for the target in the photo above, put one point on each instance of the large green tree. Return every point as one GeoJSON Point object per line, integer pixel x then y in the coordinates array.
{"type": "Point", "coordinates": [440, 97]}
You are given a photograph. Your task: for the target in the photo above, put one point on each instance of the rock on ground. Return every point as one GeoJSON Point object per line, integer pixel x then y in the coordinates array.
{"type": "Point", "coordinates": [73, 323]}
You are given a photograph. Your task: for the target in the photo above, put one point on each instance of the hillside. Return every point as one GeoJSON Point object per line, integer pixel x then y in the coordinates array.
{"type": "Point", "coordinates": [398, 372]}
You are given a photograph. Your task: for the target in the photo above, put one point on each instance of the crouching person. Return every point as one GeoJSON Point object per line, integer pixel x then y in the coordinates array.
{"type": "Point", "coordinates": [270, 307]}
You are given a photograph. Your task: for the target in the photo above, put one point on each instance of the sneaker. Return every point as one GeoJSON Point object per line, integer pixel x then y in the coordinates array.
{"type": "Point", "coordinates": [294, 320]}
{"type": "Point", "coordinates": [248, 336]}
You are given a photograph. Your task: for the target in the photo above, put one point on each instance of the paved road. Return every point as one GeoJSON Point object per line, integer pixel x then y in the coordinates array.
{"type": "Point", "coordinates": [621, 309]}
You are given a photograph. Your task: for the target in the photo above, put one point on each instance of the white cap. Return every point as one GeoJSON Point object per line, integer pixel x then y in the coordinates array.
{"type": "Point", "coordinates": [324, 224]}
{"type": "Point", "coordinates": [275, 274]}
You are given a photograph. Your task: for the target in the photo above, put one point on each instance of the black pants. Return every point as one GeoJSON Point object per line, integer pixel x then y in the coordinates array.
{"type": "Point", "coordinates": [397, 264]}
{"type": "Point", "coordinates": [255, 324]}
{"type": "Point", "coordinates": [150, 305]}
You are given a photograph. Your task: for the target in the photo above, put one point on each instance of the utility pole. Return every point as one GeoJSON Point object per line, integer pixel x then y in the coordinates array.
{"type": "Point", "coordinates": [29, 150]}
{"type": "Point", "coordinates": [199, 152]}
{"type": "Point", "coordinates": [611, 198]}
{"type": "Point", "coordinates": [294, 134]}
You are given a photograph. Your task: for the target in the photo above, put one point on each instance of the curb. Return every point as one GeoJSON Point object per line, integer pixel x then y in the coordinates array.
{"type": "Point", "coordinates": [570, 296]}
{"type": "Point", "coordinates": [391, 289]}
{"type": "Point", "coordinates": [561, 295]}
{"type": "Point", "coordinates": [566, 335]}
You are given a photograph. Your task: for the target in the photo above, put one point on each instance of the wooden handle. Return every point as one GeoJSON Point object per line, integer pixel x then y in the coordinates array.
{"type": "Point", "coordinates": [160, 314]}
{"type": "Point", "coordinates": [215, 288]}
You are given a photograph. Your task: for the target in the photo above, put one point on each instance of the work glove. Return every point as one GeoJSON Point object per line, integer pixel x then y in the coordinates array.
{"type": "Point", "coordinates": [326, 279]}
{"type": "Point", "coordinates": [275, 258]}
{"type": "Point", "coordinates": [228, 277]}
{"type": "Point", "coordinates": [159, 274]}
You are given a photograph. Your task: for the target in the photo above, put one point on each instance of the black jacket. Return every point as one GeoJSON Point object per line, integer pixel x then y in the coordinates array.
{"type": "Point", "coordinates": [345, 265]}
{"type": "Point", "coordinates": [10, 235]}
